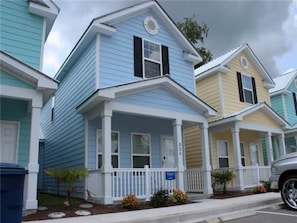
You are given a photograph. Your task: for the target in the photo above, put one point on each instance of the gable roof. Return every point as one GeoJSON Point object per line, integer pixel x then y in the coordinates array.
{"type": "Point", "coordinates": [283, 82]}
{"type": "Point", "coordinates": [105, 25]}
{"type": "Point", "coordinates": [220, 64]}
{"type": "Point", "coordinates": [47, 9]}
{"type": "Point", "coordinates": [28, 74]}
{"type": "Point", "coordinates": [239, 115]}
{"type": "Point", "coordinates": [165, 82]}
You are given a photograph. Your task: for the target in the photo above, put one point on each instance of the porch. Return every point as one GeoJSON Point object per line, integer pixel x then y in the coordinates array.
{"type": "Point", "coordinates": [143, 182]}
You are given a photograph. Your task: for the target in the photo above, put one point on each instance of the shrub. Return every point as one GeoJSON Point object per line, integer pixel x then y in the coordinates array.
{"type": "Point", "coordinates": [130, 202]}
{"type": "Point", "coordinates": [160, 198]}
{"type": "Point", "coordinates": [223, 178]}
{"type": "Point", "coordinates": [260, 189]}
{"type": "Point", "coordinates": [179, 197]}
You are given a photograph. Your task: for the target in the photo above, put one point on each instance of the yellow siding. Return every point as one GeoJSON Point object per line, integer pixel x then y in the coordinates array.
{"type": "Point", "coordinates": [193, 147]}
{"type": "Point", "coordinates": [260, 118]}
{"type": "Point", "coordinates": [208, 90]}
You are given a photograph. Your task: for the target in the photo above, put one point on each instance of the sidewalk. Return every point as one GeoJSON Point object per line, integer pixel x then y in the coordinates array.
{"type": "Point", "coordinates": [190, 213]}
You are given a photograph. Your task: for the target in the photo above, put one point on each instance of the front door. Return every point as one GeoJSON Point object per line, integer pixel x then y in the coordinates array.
{"type": "Point", "coordinates": [168, 155]}
{"type": "Point", "coordinates": [254, 154]}
{"type": "Point", "coordinates": [8, 146]}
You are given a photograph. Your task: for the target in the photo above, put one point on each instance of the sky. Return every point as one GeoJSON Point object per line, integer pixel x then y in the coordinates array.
{"type": "Point", "coordinates": [268, 26]}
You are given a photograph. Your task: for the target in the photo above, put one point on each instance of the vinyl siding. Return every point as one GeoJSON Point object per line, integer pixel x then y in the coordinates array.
{"type": "Point", "coordinates": [7, 79]}
{"type": "Point", "coordinates": [259, 118]}
{"type": "Point", "coordinates": [230, 86]}
{"type": "Point", "coordinates": [126, 125]}
{"type": "Point", "coordinates": [208, 91]}
{"type": "Point", "coordinates": [17, 111]}
{"type": "Point", "coordinates": [21, 32]}
{"type": "Point", "coordinates": [159, 99]}
{"type": "Point", "coordinates": [64, 145]}
{"type": "Point", "coordinates": [193, 147]}
{"type": "Point", "coordinates": [277, 105]}
{"type": "Point", "coordinates": [116, 54]}
{"type": "Point", "coordinates": [292, 117]}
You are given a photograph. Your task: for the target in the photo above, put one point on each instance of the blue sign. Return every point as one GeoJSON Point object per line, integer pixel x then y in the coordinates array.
{"type": "Point", "coordinates": [170, 175]}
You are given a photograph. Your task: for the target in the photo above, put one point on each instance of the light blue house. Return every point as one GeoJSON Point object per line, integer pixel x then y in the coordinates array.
{"type": "Point", "coordinates": [126, 93]}
{"type": "Point", "coordinates": [25, 26]}
{"type": "Point", "coordinates": [284, 102]}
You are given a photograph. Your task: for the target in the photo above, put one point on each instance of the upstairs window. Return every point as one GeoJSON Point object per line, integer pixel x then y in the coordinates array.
{"type": "Point", "coordinates": [150, 59]}
{"type": "Point", "coordinates": [247, 88]}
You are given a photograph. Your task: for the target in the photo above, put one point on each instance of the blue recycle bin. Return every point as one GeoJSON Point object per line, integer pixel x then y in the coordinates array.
{"type": "Point", "coordinates": [12, 179]}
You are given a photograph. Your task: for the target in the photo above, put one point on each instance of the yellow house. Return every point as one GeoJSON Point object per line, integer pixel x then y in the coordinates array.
{"type": "Point", "coordinates": [246, 132]}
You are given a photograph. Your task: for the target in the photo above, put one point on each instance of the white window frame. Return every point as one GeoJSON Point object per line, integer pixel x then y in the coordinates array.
{"type": "Point", "coordinates": [99, 131]}
{"type": "Point", "coordinates": [242, 155]}
{"type": "Point", "coordinates": [247, 89]}
{"type": "Point", "coordinates": [223, 157]}
{"type": "Point", "coordinates": [53, 108]}
{"type": "Point", "coordinates": [140, 154]}
{"type": "Point", "coordinates": [150, 59]}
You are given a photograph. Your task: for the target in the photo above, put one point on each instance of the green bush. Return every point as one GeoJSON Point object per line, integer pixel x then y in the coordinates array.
{"type": "Point", "coordinates": [223, 178]}
{"type": "Point", "coordinates": [160, 198]}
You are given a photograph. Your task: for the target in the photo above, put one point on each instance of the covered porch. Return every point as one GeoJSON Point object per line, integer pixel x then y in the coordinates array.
{"type": "Point", "coordinates": [134, 138]}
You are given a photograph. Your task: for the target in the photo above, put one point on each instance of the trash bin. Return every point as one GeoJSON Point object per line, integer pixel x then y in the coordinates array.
{"type": "Point", "coordinates": [12, 186]}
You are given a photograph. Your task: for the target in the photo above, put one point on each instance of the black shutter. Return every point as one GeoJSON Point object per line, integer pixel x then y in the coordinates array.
{"type": "Point", "coordinates": [241, 97]}
{"type": "Point", "coordinates": [254, 90]}
{"type": "Point", "coordinates": [295, 101]}
{"type": "Point", "coordinates": [165, 60]}
{"type": "Point", "coordinates": [138, 57]}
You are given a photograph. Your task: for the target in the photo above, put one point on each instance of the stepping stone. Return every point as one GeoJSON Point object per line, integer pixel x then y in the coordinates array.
{"type": "Point", "coordinates": [42, 208]}
{"type": "Point", "coordinates": [56, 215]}
{"type": "Point", "coordinates": [82, 212]}
{"type": "Point", "coordinates": [86, 205]}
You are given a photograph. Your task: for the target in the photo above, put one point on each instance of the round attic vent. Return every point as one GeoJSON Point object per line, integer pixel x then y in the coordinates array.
{"type": "Point", "coordinates": [151, 25]}
{"type": "Point", "coordinates": [244, 63]}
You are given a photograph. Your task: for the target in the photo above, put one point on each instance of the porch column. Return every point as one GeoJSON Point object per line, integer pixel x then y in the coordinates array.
{"type": "Point", "coordinates": [206, 167]}
{"type": "Point", "coordinates": [269, 148]}
{"type": "Point", "coordinates": [237, 156]}
{"type": "Point", "coordinates": [30, 187]}
{"type": "Point", "coordinates": [282, 145]}
{"type": "Point", "coordinates": [178, 147]}
{"type": "Point", "coordinates": [106, 154]}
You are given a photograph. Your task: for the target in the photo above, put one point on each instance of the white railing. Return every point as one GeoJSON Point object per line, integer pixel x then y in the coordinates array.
{"type": "Point", "coordinates": [254, 175]}
{"type": "Point", "coordinates": [194, 180]}
{"type": "Point", "coordinates": [231, 184]}
{"type": "Point", "coordinates": [140, 182]}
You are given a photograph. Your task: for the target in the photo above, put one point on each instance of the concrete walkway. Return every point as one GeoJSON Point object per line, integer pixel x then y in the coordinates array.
{"type": "Point", "coordinates": [190, 213]}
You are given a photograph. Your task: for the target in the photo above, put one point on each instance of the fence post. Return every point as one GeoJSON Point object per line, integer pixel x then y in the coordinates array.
{"type": "Point", "coordinates": [147, 183]}
{"type": "Point", "coordinates": [258, 173]}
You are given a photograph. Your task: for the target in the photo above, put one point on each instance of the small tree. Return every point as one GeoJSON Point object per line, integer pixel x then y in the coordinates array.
{"type": "Point", "coordinates": [223, 177]}
{"type": "Point", "coordinates": [68, 177]}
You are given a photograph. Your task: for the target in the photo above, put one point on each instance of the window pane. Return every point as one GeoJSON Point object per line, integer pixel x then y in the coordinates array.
{"type": "Point", "coordinates": [222, 148]}
{"type": "Point", "coordinates": [151, 51]}
{"type": "Point", "coordinates": [242, 161]}
{"type": "Point", "coordinates": [223, 162]}
{"type": "Point", "coordinates": [99, 161]}
{"type": "Point", "coordinates": [248, 95]}
{"type": "Point", "coordinates": [115, 161]}
{"type": "Point", "coordinates": [99, 141]}
{"type": "Point", "coordinates": [241, 149]}
{"type": "Point", "coordinates": [151, 69]}
{"type": "Point", "coordinates": [246, 82]}
{"type": "Point", "coordinates": [114, 142]}
{"type": "Point", "coordinates": [140, 161]}
{"type": "Point", "coordinates": [141, 144]}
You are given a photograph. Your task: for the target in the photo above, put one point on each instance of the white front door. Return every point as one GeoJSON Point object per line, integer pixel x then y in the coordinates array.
{"type": "Point", "coordinates": [8, 146]}
{"type": "Point", "coordinates": [254, 154]}
{"type": "Point", "coordinates": [168, 155]}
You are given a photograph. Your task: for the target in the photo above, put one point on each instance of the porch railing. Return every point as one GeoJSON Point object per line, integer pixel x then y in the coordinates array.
{"type": "Point", "coordinates": [254, 175]}
{"type": "Point", "coordinates": [194, 180]}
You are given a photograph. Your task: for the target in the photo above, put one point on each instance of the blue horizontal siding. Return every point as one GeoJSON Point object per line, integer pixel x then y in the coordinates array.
{"type": "Point", "coordinates": [159, 99]}
{"type": "Point", "coordinates": [7, 79]}
{"type": "Point", "coordinates": [17, 111]}
{"type": "Point", "coordinates": [21, 32]}
{"type": "Point", "coordinates": [277, 105]}
{"type": "Point", "coordinates": [127, 124]}
{"type": "Point", "coordinates": [116, 54]}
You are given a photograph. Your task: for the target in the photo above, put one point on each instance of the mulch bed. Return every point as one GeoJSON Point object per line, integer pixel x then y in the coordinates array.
{"type": "Point", "coordinates": [104, 209]}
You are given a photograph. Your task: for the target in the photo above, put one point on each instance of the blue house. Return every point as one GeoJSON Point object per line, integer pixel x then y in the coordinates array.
{"type": "Point", "coordinates": [284, 102]}
{"type": "Point", "coordinates": [126, 94]}
{"type": "Point", "coordinates": [25, 26]}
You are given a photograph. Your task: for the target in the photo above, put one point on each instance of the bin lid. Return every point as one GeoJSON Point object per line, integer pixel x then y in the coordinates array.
{"type": "Point", "coordinates": [11, 168]}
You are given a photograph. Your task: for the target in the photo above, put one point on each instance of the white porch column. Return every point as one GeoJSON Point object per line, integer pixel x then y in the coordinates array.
{"type": "Point", "coordinates": [206, 167]}
{"type": "Point", "coordinates": [30, 186]}
{"type": "Point", "coordinates": [282, 145]}
{"type": "Point", "coordinates": [106, 154]}
{"type": "Point", "coordinates": [237, 156]}
{"type": "Point", "coordinates": [178, 147]}
{"type": "Point", "coordinates": [269, 148]}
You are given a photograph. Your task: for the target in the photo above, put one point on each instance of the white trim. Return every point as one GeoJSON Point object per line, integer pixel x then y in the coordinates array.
{"type": "Point", "coordinates": [86, 121]}
{"type": "Point", "coordinates": [148, 28]}
{"type": "Point", "coordinates": [259, 128]}
{"type": "Point", "coordinates": [284, 106]}
{"type": "Point", "coordinates": [97, 65]}
{"type": "Point", "coordinates": [139, 154]}
{"type": "Point", "coordinates": [17, 137]}
{"type": "Point", "coordinates": [42, 45]}
{"type": "Point", "coordinates": [221, 90]}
